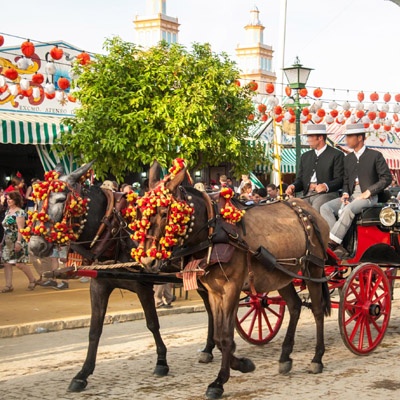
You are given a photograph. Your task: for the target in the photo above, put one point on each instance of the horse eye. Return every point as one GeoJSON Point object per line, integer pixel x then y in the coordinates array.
{"type": "Point", "coordinates": [164, 214]}
{"type": "Point", "coordinates": [60, 200]}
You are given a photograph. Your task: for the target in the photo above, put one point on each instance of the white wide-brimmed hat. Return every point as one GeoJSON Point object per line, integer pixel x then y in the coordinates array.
{"type": "Point", "coordinates": [355, 129]}
{"type": "Point", "coordinates": [315, 129]}
{"type": "Point", "coordinates": [107, 185]}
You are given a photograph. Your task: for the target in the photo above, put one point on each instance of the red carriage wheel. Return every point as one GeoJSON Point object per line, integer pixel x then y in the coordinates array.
{"type": "Point", "coordinates": [364, 309]}
{"type": "Point", "coordinates": [259, 317]}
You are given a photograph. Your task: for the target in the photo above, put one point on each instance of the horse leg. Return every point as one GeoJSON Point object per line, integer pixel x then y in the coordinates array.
{"type": "Point", "coordinates": [293, 302]}
{"type": "Point", "coordinates": [206, 355]}
{"type": "Point", "coordinates": [145, 294]}
{"type": "Point", "coordinates": [224, 306]}
{"type": "Point", "coordinates": [99, 294]}
{"type": "Point", "coordinates": [320, 305]}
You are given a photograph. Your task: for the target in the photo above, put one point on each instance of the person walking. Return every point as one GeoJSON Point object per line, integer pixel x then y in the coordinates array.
{"type": "Point", "coordinates": [320, 174]}
{"type": "Point", "coordinates": [366, 174]}
{"type": "Point", "coordinates": [14, 247]}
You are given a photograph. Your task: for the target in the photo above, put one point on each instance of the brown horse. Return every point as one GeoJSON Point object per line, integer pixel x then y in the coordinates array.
{"type": "Point", "coordinates": [278, 228]}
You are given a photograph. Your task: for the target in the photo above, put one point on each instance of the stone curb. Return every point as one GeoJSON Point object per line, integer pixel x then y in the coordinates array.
{"type": "Point", "coordinates": [9, 331]}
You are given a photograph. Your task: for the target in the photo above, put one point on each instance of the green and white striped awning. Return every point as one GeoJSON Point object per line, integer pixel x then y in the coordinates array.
{"type": "Point", "coordinates": [18, 128]}
{"type": "Point", "coordinates": [41, 131]}
{"type": "Point", "coordinates": [288, 161]}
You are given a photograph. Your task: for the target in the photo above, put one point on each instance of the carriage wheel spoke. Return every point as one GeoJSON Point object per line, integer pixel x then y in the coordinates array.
{"type": "Point", "coordinates": [259, 316]}
{"type": "Point", "coordinates": [375, 287]}
{"type": "Point", "coordinates": [272, 312]}
{"type": "Point", "coordinates": [356, 326]}
{"type": "Point", "coordinates": [253, 321]}
{"type": "Point", "coordinates": [247, 314]}
{"type": "Point", "coordinates": [267, 319]}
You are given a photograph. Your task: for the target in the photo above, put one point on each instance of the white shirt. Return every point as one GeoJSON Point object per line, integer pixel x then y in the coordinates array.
{"type": "Point", "coordinates": [318, 153]}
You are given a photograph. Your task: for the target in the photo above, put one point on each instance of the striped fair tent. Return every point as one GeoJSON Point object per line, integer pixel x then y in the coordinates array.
{"type": "Point", "coordinates": [41, 131]}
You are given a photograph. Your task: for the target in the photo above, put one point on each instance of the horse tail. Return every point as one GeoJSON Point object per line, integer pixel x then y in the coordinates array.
{"type": "Point", "coordinates": [326, 299]}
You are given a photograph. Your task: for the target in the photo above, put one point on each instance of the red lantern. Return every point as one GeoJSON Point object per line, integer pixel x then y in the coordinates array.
{"type": "Point", "coordinates": [1, 40]}
{"type": "Point", "coordinates": [395, 117]}
{"type": "Point", "coordinates": [291, 111]}
{"type": "Point", "coordinates": [376, 126]}
{"type": "Point", "coordinates": [11, 73]}
{"type": "Point", "coordinates": [374, 96]}
{"type": "Point", "coordinates": [50, 95]}
{"type": "Point", "coordinates": [83, 58]}
{"type": "Point", "coordinates": [334, 113]}
{"type": "Point", "coordinates": [63, 83]}
{"type": "Point", "coordinates": [360, 114]}
{"type": "Point", "coordinates": [71, 98]}
{"type": "Point", "coordinates": [28, 48]}
{"type": "Point", "coordinates": [321, 113]}
{"type": "Point", "coordinates": [303, 92]}
{"type": "Point", "coordinates": [371, 115]}
{"type": "Point", "coordinates": [305, 111]}
{"type": "Point", "coordinates": [270, 88]}
{"type": "Point", "coordinates": [251, 117]}
{"type": "Point", "coordinates": [288, 91]}
{"type": "Point", "coordinates": [253, 85]}
{"type": "Point", "coordinates": [237, 82]}
{"type": "Point", "coordinates": [387, 97]}
{"type": "Point", "coordinates": [56, 53]}
{"type": "Point", "coordinates": [292, 120]}
{"type": "Point", "coordinates": [262, 108]}
{"type": "Point", "coordinates": [397, 98]}
{"type": "Point", "coordinates": [264, 117]}
{"type": "Point", "coordinates": [278, 110]}
{"type": "Point", "coordinates": [3, 89]}
{"type": "Point", "coordinates": [279, 118]}
{"type": "Point", "coordinates": [366, 125]}
{"type": "Point", "coordinates": [360, 96]}
{"type": "Point", "coordinates": [318, 93]}
{"type": "Point", "coordinates": [382, 114]}
{"type": "Point", "coordinates": [347, 113]}
{"type": "Point", "coordinates": [38, 79]}
{"type": "Point", "coordinates": [387, 128]}
{"type": "Point", "coordinates": [27, 93]}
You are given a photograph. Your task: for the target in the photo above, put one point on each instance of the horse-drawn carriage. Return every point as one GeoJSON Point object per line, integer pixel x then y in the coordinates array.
{"type": "Point", "coordinates": [225, 259]}
{"type": "Point", "coordinates": [363, 283]}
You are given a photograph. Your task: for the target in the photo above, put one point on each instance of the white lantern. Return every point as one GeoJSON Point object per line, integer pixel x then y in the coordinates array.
{"type": "Point", "coordinates": [316, 119]}
{"type": "Point", "coordinates": [50, 68]}
{"type": "Point", "coordinates": [346, 106]}
{"type": "Point", "coordinates": [365, 120]}
{"type": "Point", "coordinates": [13, 89]}
{"type": "Point", "coordinates": [2, 81]}
{"type": "Point", "coordinates": [49, 88]}
{"type": "Point", "coordinates": [385, 107]}
{"type": "Point", "coordinates": [289, 101]}
{"type": "Point", "coordinates": [24, 83]}
{"type": "Point", "coordinates": [373, 107]}
{"type": "Point", "coordinates": [23, 63]}
{"type": "Point", "coordinates": [329, 119]}
{"type": "Point", "coordinates": [318, 104]}
{"type": "Point", "coordinates": [36, 92]}
{"type": "Point", "coordinates": [353, 119]}
{"type": "Point", "coordinates": [59, 95]}
{"type": "Point", "coordinates": [359, 106]}
{"type": "Point", "coordinates": [287, 116]}
{"type": "Point", "coordinates": [396, 108]}
{"type": "Point", "coordinates": [333, 105]}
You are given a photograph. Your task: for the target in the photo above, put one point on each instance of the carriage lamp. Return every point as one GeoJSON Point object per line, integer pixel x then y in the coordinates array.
{"type": "Point", "coordinates": [388, 216]}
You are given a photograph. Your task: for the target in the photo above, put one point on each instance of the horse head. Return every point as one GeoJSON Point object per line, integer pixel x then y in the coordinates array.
{"type": "Point", "coordinates": [164, 217]}
{"type": "Point", "coordinates": [53, 207]}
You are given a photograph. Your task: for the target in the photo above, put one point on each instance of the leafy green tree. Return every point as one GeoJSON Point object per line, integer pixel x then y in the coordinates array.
{"type": "Point", "coordinates": [165, 102]}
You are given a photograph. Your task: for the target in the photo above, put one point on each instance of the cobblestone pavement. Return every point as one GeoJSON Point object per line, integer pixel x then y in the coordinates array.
{"type": "Point", "coordinates": [41, 366]}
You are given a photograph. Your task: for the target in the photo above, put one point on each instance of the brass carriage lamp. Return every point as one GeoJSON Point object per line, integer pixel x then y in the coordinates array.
{"type": "Point", "coordinates": [297, 76]}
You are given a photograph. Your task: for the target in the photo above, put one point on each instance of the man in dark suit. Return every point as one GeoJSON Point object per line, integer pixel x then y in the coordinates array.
{"type": "Point", "coordinates": [320, 174]}
{"type": "Point", "coordinates": [366, 174]}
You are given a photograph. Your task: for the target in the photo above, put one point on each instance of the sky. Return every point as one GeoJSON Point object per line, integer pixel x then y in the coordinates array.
{"type": "Point", "coordinates": [351, 44]}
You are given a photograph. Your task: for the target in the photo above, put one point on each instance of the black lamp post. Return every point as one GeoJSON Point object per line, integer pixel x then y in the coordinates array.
{"type": "Point", "coordinates": [297, 76]}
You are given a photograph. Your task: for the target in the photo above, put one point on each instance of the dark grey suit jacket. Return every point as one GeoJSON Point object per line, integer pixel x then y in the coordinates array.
{"type": "Point", "coordinates": [328, 166]}
{"type": "Point", "coordinates": [372, 171]}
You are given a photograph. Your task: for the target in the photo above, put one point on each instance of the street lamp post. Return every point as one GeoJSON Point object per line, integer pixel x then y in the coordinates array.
{"type": "Point", "coordinates": [297, 76]}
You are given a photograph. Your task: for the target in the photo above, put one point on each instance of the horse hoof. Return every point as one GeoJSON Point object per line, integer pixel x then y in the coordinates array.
{"type": "Point", "coordinates": [77, 385]}
{"type": "Point", "coordinates": [316, 368]}
{"type": "Point", "coordinates": [246, 365]}
{"type": "Point", "coordinates": [161, 370]}
{"type": "Point", "coordinates": [285, 367]}
{"type": "Point", "coordinates": [205, 358]}
{"type": "Point", "coordinates": [214, 392]}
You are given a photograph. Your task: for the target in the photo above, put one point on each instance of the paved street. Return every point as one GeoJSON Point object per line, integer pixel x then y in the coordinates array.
{"type": "Point", "coordinates": [41, 366]}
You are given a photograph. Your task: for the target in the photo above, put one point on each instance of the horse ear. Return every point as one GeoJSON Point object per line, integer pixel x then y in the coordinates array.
{"type": "Point", "coordinates": [154, 174]}
{"type": "Point", "coordinates": [60, 169]}
{"type": "Point", "coordinates": [74, 176]}
{"type": "Point", "coordinates": [173, 184]}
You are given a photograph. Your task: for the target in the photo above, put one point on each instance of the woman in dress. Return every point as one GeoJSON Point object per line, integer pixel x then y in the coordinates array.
{"type": "Point", "coordinates": [14, 248]}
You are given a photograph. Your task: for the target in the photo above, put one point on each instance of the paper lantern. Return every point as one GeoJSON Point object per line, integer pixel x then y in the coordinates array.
{"type": "Point", "coordinates": [13, 89]}
{"type": "Point", "coordinates": [346, 105]}
{"type": "Point", "coordinates": [56, 53]}
{"type": "Point", "coordinates": [347, 113]}
{"type": "Point", "coordinates": [2, 81]}
{"type": "Point", "coordinates": [27, 93]}
{"type": "Point", "coordinates": [305, 111]}
{"type": "Point", "coordinates": [251, 117]}
{"type": "Point", "coordinates": [269, 88]}
{"type": "Point", "coordinates": [385, 107]}
{"type": "Point", "coordinates": [71, 98]}
{"type": "Point", "coordinates": [373, 107]}
{"type": "Point", "coordinates": [366, 125]}
{"type": "Point", "coordinates": [10, 73]}
{"type": "Point", "coordinates": [28, 48]}
{"type": "Point", "coordinates": [253, 85]}
{"type": "Point", "coordinates": [334, 113]}
{"type": "Point", "coordinates": [279, 118]}
{"type": "Point", "coordinates": [236, 82]}
{"type": "Point", "coordinates": [387, 97]}
{"type": "Point", "coordinates": [292, 120]}
{"type": "Point", "coordinates": [23, 63]}
{"type": "Point", "coordinates": [49, 88]}
{"type": "Point", "coordinates": [360, 96]}
{"type": "Point", "coordinates": [24, 83]}
{"type": "Point", "coordinates": [321, 113]}
{"type": "Point", "coordinates": [287, 116]}
{"type": "Point", "coordinates": [84, 59]}
{"type": "Point", "coordinates": [396, 108]}
{"type": "Point", "coordinates": [59, 95]}
{"type": "Point", "coordinates": [376, 126]}
{"type": "Point", "coordinates": [360, 106]}
{"type": "Point", "coordinates": [36, 93]}
{"type": "Point", "coordinates": [395, 117]}
{"type": "Point", "coordinates": [3, 89]}
{"type": "Point", "coordinates": [397, 98]}
{"type": "Point", "coordinates": [38, 79]}
{"type": "Point", "coordinates": [291, 111]}
{"type": "Point", "coordinates": [264, 117]}
{"type": "Point", "coordinates": [1, 40]}
{"type": "Point", "coordinates": [374, 96]}
{"type": "Point", "coordinates": [303, 92]}
{"type": "Point", "coordinates": [288, 91]}
{"type": "Point", "coordinates": [50, 68]}
{"type": "Point", "coordinates": [318, 93]}
{"type": "Point", "coordinates": [50, 96]}
{"type": "Point", "coordinates": [329, 119]}
{"type": "Point", "coordinates": [360, 114]}
{"type": "Point", "coordinates": [273, 101]}
{"type": "Point", "coordinates": [382, 114]}
{"type": "Point", "coordinates": [63, 84]}
{"type": "Point", "coordinates": [278, 110]}
{"type": "Point", "coordinates": [371, 115]}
